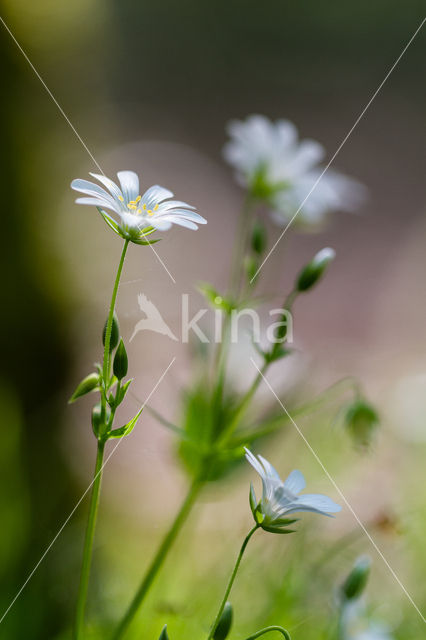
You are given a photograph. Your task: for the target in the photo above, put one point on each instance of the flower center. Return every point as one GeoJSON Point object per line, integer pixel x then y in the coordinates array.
{"type": "Point", "coordinates": [133, 205]}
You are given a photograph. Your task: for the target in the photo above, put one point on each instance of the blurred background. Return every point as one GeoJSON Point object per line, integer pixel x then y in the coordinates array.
{"type": "Point", "coordinates": [150, 86]}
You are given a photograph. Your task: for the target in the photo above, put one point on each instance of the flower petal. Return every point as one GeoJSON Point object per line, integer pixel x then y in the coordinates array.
{"type": "Point", "coordinates": [271, 472]}
{"type": "Point", "coordinates": [110, 185]}
{"type": "Point", "coordinates": [154, 195]}
{"type": "Point", "coordinates": [129, 182]}
{"type": "Point", "coordinates": [254, 463]}
{"type": "Point", "coordinates": [315, 502]}
{"type": "Point", "coordinates": [295, 483]}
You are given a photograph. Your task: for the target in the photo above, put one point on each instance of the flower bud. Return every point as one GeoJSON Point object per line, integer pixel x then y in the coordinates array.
{"type": "Point", "coordinates": [251, 267]}
{"type": "Point", "coordinates": [164, 635]}
{"type": "Point", "coordinates": [225, 623]}
{"type": "Point", "coordinates": [115, 333]}
{"type": "Point", "coordinates": [88, 384]}
{"type": "Point", "coordinates": [97, 419]}
{"type": "Point", "coordinates": [258, 238]}
{"type": "Point", "coordinates": [314, 270]}
{"type": "Point", "coordinates": [361, 420]}
{"type": "Point", "coordinates": [121, 362]}
{"type": "Point", "coordinates": [357, 579]}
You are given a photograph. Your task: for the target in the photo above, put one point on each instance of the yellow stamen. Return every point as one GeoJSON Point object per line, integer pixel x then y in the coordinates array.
{"type": "Point", "coordinates": [138, 198]}
{"type": "Point", "coordinates": [156, 207]}
{"type": "Point", "coordinates": [144, 207]}
{"type": "Point", "coordinates": [150, 212]}
{"type": "Point", "coordinates": [121, 198]}
{"type": "Point", "coordinates": [139, 211]}
{"type": "Point", "coordinates": [131, 206]}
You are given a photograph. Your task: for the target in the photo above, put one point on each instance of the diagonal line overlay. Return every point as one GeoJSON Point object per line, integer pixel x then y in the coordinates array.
{"type": "Point", "coordinates": [341, 145]}
{"type": "Point", "coordinates": [79, 502]}
{"type": "Point", "coordinates": [339, 491]}
{"type": "Point", "coordinates": [78, 136]}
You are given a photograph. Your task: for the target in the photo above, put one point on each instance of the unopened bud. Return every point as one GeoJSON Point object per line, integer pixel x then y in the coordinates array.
{"type": "Point", "coordinates": [361, 420]}
{"type": "Point", "coordinates": [164, 635]}
{"type": "Point", "coordinates": [115, 333]}
{"type": "Point", "coordinates": [357, 579]}
{"type": "Point", "coordinates": [258, 238]}
{"type": "Point", "coordinates": [314, 270]}
{"type": "Point", "coordinates": [121, 362]}
{"type": "Point", "coordinates": [88, 384]}
{"type": "Point", "coordinates": [225, 623]}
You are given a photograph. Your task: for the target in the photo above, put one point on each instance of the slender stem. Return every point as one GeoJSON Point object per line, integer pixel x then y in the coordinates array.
{"type": "Point", "coordinates": [106, 362]}
{"type": "Point", "coordinates": [242, 238]}
{"type": "Point", "coordinates": [96, 488]}
{"type": "Point", "coordinates": [231, 582]}
{"type": "Point", "coordinates": [267, 630]}
{"type": "Point", "coordinates": [88, 542]}
{"type": "Point", "coordinates": [158, 560]}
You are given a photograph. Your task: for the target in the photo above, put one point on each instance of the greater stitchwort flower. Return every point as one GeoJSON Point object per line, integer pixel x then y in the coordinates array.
{"type": "Point", "coordinates": [281, 170]}
{"type": "Point", "coordinates": [140, 215]}
{"type": "Point", "coordinates": [279, 499]}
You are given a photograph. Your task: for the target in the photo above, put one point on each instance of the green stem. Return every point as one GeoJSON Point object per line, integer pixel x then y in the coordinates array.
{"type": "Point", "coordinates": [88, 542]}
{"type": "Point", "coordinates": [267, 630]}
{"type": "Point", "coordinates": [158, 560]}
{"type": "Point", "coordinates": [106, 362]}
{"type": "Point", "coordinates": [242, 237]}
{"type": "Point", "coordinates": [231, 582]}
{"type": "Point", "coordinates": [96, 489]}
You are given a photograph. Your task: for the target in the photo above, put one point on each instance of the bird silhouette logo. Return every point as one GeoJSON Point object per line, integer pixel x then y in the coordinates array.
{"type": "Point", "coordinates": [153, 320]}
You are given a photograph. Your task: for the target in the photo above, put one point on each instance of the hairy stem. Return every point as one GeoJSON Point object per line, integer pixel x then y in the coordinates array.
{"type": "Point", "coordinates": [97, 478]}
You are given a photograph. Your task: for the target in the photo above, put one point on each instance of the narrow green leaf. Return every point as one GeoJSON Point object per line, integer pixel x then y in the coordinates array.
{"type": "Point", "coordinates": [126, 429]}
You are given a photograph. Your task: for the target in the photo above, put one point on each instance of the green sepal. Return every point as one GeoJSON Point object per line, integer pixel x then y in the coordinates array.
{"type": "Point", "coordinates": [164, 635]}
{"type": "Point", "coordinates": [121, 362]}
{"type": "Point", "coordinates": [258, 516]}
{"type": "Point", "coordinates": [111, 222]}
{"type": "Point", "coordinates": [144, 242]}
{"type": "Point", "coordinates": [276, 353]}
{"type": "Point", "coordinates": [88, 384]}
{"type": "Point", "coordinates": [216, 300]}
{"type": "Point", "coordinates": [122, 391]}
{"type": "Point", "coordinates": [225, 623]}
{"type": "Point", "coordinates": [126, 429]}
{"type": "Point", "coordinates": [98, 423]}
{"type": "Point", "coordinates": [277, 530]}
{"type": "Point", "coordinates": [115, 333]}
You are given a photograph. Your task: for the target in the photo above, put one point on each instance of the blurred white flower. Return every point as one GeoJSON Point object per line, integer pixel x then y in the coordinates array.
{"type": "Point", "coordinates": [279, 499]}
{"type": "Point", "coordinates": [374, 632]}
{"type": "Point", "coordinates": [139, 214]}
{"type": "Point", "coordinates": [281, 170]}
{"type": "Point", "coordinates": [356, 625]}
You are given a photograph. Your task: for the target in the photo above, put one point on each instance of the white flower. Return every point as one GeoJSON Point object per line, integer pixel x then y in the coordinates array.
{"type": "Point", "coordinates": [374, 632]}
{"type": "Point", "coordinates": [140, 215]}
{"type": "Point", "coordinates": [280, 169]}
{"type": "Point", "coordinates": [279, 499]}
{"type": "Point", "coordinates": [357, 626]}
